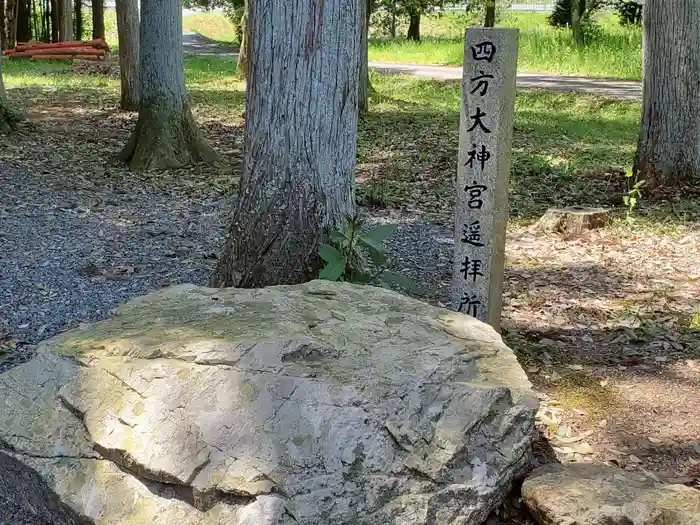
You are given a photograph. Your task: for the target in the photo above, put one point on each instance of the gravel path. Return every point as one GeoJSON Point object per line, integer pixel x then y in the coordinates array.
{"type": "Point", "coordinates": [71, 255]}
{"type": "Point", "coordinates": [74, 251]}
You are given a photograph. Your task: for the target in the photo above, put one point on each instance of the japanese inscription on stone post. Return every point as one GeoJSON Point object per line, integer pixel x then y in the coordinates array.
{"type": "Point", "coordinates": [485, 138]}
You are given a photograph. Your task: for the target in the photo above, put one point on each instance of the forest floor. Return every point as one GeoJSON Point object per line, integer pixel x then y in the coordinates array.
{"type": "Point", "coordinates": [607, 324]}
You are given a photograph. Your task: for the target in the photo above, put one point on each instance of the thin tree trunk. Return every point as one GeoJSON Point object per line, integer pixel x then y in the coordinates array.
{"type": "Point", "coordinates": [3, 24]}
{"type": "Point", "coordinates": [576, 27]}
{"type": "Point", "coordinates": [65, 20]}
{"type": "Point", "coordinates": [490, 19]}
{"type": "Point", "coordinates": [166, 135]}
{"type": "Point", "coordinates": [668, 151]}
{"type": "Point", "coordinates": [78, 9]}
{"type": "Point", "coordinates": [98, 19]}
{"type": "Point", "coordinates": [8, 24]}
{"type": "Point", "coordinates": [24, 21]}
{"type": "Point", "coordinates": [393, 19]}
{"type": "Point", "coordinates": [54, 20]}
{"type": "Point", "coordinates": [364, 84]}
{"type": "Point", "coordinates": [414, 26]}
{"type": "Point", "coordinates": [299, 165]}
{"type": "Point", "coordinates": [242, 65]}
{"type": "Point", "coordinates": [128, 29]}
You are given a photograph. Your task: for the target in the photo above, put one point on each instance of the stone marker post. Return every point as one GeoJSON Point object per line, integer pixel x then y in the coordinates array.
{"type": "Point", "coordinates": [485, 138]}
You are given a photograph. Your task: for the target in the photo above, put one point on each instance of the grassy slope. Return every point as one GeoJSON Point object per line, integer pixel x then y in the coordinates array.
{"type": "Point", "coordinates": [614, 51]}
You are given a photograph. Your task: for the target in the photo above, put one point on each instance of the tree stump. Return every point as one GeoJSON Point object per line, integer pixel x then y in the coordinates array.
{"type": "Point", "coordinates": [571, 220]}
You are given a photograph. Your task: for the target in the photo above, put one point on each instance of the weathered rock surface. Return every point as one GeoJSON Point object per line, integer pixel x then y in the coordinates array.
{"type": "Point", "coordinates": [25, 499]}
{"type": "Point", "coordinates": [581, 494]}
{"type": "Point", "coordinates": [314, 404]}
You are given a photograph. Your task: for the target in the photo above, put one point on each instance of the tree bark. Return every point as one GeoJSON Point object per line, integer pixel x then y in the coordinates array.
{"type": "Point", "coordinates": [24, 22]}
{"type": "Point", "coordinates": [78, 10]}
{"type": "Point", "coordinates": [364, 84]}
{"type": "Point", "coordinates": [576, 27]}
{"type": "Point", "coordinates": [490, 18]}
{"type": "Point", "coordinates": [65, 20]}
{"type": "Point", "coordinates": [668, 152]}
{"type": "Point", "coordinates": [54, 20]}
{"type": "Point", "coordinates": [414, 26]}
{"type": "Point", "coordinates": [242, 65]}
{"type": "Point", "coordinates": [8, 24]}
{"type": "Point", "coordinates": [299, 164]}
{"type": "Point", "coordinates": [98, 19]}
{"type": "Point", "coordinates": [128, 30]}
{"type": "Point", "coordinates": [166, 135]}
{"type": "Point", "coordinates": [10, 116]}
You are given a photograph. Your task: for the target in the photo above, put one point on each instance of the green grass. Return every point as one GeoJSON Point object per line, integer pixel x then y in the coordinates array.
{"type": "Point", "coordinates": [613, 51]}
{"type": "Point", "coordinates": [567, 148]}
{"type": "Point", "coordinates": [213, 25]}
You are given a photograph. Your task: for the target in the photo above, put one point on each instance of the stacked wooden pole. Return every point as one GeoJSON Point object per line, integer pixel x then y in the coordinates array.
{"type": "Point", "coordinates": [93, 50]}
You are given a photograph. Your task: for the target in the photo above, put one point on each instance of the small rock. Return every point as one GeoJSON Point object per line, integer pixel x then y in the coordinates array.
{"type": "Point", "coordinates": [587, 494]}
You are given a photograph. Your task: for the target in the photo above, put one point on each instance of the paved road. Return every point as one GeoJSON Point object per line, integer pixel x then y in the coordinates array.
{"type": "Point", "coordinates": [624, 90]}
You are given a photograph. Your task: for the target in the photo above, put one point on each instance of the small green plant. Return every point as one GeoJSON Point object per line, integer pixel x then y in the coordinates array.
{"type": "Point", "coordinates": [346, 258]}
{"type": "Point", "coordinates": [634, 193]}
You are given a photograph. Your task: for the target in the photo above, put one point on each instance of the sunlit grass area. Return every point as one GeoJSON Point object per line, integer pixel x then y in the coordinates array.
{"type": "Point", "coordinates": [568, 148]}
{"type": "Point", "coordinates": [612, 50]}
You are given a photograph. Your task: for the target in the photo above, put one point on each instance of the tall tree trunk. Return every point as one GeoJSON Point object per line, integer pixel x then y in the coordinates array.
{"type": "Point", "coordinates": [65, 20]}
{"type": "Point", "coordinates": [54, 20]}
{"type": "Point", "coordinates": [576, 27]}
{"type": "Point", "coordinates": [128, 29]}
{"type": "Point", "coordinates": [490, 19]}
{"type": "Point", "coordinates": [414, 26]}
{"type": "Point", "coordinates": [299, 166]}
{"type": "Point", "coordinates": [364, 84]}
{"type": "Point", "coordinates": [3, 24]}
{"type": "Point", "coordinates": [78, 9]}
{"type": "Point", "coordinates": [8, 24]}
{"type": "Point", "coordinates": [24, 20]}
{"type": "Point", "coordinates": [668, 151]}
{"type": "Point", "coordinates": [98, 19]}
{"type": "Point", "coordinates": [242, 65]}
{"type": "Point", "coordinates": [166, 135]}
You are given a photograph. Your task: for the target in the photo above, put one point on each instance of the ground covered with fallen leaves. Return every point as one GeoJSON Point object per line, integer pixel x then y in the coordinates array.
{"type": "Point", "coordinates": [607, 324]}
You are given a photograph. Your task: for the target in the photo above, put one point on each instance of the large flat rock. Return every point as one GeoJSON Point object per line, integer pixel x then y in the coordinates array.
{"type": "Point", "coordinates": [315, 404]}
{"type": "Point", "coordinates": [581, 494]}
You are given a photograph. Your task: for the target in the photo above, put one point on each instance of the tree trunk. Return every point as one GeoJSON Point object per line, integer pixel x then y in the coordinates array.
{"type": "Point", "coordinates": [98, 19]}
{"type": "Point", "coordinates": [414, 26]}
{"type": "Point", "coordinates": [3, 23]}
{"type": "Point", "coordinates": [128, 29]}
{"type": "Point", "coordinates": [490, 19]}
{"type": "Point", "coordinates": [9, 115]}
{"type": "Point", "coordinates": [299, 166]}
{"type": "Point", "coordinates": [54, 20]}
{"type": "Point", "coordinates": [65, 20]}
{"type": "Point", "coordinates": [668, 151]}
{"type": "Point", "coordinates": [8, 24]}
{"type": "Point", "coordinates": [166, 135]}
{"type": "Point", "coordinates": [24, 20]}
{"type": "Point", "coordinates": [364, 84]}
{"type": "Point", "coordinates": [576, 27]}
{"type": "Point", "coordinates": [242, 65]}
{"type": "Point", "coordinates": [78, 9]}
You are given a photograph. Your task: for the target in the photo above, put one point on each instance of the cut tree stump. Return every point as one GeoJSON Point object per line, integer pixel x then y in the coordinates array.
{"type": "Point", "coordinates": [571, 220]}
